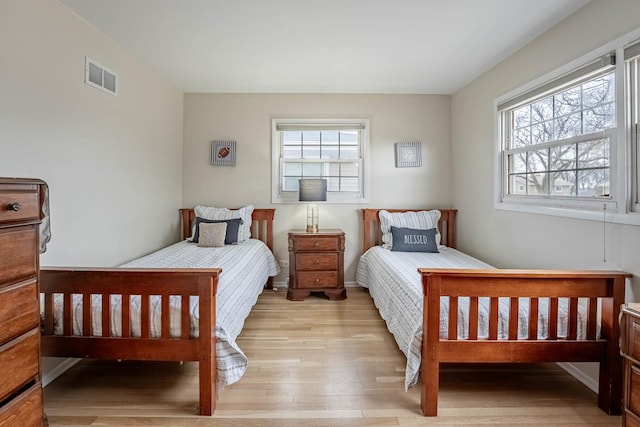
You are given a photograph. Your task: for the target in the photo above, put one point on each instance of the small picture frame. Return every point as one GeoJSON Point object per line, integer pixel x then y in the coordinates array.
{"type": "Point", "coordinates": [223, 153]}
{"type": "Point", "coordinates": [408, 154]}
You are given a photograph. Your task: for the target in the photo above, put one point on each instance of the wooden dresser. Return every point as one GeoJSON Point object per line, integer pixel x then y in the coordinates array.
{"type": "Point", "coordinates": [21, 401]}
{"type": "Point", "coordinates": [630, 349]}
{"type": "Point", "coordinates": [316, 264]}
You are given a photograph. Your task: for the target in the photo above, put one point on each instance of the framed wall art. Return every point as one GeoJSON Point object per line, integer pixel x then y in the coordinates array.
{"type": "Point", "coordinates": [408, 154]}
{"type": "Point", "coordinates": [223, 153]}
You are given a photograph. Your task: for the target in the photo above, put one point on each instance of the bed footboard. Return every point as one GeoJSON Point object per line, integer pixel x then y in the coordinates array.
{"type": "Point", "coordinates": [123, 284]}
{"type": "Point", "coordinates": [602, 291]}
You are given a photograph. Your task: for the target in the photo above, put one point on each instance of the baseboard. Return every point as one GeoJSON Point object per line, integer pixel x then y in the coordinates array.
{"type": "Point", "coordinates": [580, 376]}
{"type": "Point", "coordinates": [64, 366]}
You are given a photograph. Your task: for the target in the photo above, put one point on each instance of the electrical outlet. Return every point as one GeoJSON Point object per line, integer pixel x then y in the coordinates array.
{"type": "Point", "coordinates": [284, 263]}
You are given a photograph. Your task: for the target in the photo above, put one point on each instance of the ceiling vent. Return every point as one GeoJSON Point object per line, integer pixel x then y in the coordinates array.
{"type": "Point", "coordinates": [100, 77]}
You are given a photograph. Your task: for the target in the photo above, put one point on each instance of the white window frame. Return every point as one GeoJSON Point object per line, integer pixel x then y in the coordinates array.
{"type": "Point", "coordinates": [277, 163]}
{"type": "Point", "coordinates": [624, 206]}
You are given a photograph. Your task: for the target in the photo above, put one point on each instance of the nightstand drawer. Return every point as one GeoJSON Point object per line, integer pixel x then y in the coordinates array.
{"type": "Point", "coordinates": [317, 261]}
{"type": "Point", "coordinates": [19, 206]}
{"type": "Point", "coordinates": [317, 279]}
{"type": "Point", "coordinates": [19, 360]}
{"type": "Point", "coordinates": [18, 309]}
{"type": "Point", "coordinates": [316, 243]}
{"type": "Point", "coordinates": [18, 253]}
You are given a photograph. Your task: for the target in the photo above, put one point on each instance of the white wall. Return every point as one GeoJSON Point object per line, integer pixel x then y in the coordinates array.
{"type": "Point", "coordinates": [246, 118]}
{"type": "Point", "coordinates": [113, 163]}
{"type": "Point", "coordinates": [513, 240]}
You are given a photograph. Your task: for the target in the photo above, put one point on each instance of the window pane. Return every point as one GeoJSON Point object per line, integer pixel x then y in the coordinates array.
{"type": "Point", "coordinates": [522, 137]}
{"type": "Point", "coordinates": [333, 184]}
{"type": "Point", "coordinates": [537, 160]}
{"type": "Point", "coordinates": [291, 184]}
{"type": "Point", "coordinates": [292, 137]}
{"type": "Point", "coordinates": [593, 154]}
{"type": "Point", "coordinates": [330, 152]}
{"type": "Point", "coordinates": [518, 184]}
{"type": "Point", "coordinates": [293, 169]}
{"type": "Point", "coordinates": [521, 117]}
{"type": "Point", "coordinates": [593, 182]}
{"type": "Point", "coordinates": [330, 137]}
{"type": "Point", "coordinates": [568, 126]}
{"type": "Point", "coordinates": [568, 102]}
{"type": "Point", "coordinates": [311, 137]}
{"type": "Point", "coordinates": [349, 184]}
{"type": "Point", "coordinates": [599, 118]}
{"type": "Point", "coordinates": [599, 91]}
{"type": "Point", "coordinates": [564, 183]}
{"type": "Point", "coordinates": [538, 184]}
{"type": "Point", "coordinates": [541, 132]}
{"type": "Point", "coordinates": [349, 169]}
{"type": "Point", "coordinates": [291, 152]}
{"type": "Point", "coordinates": [542, 110]}
{"type": "Point", "coordinates": [312, 170]}
{"type": "Point", "coordinates": [349, 138]}
{"type": "Point", "coordinates": [311, 152]}
{"type": "Point", "coordinates": [563, 157]}
{"type": "Point", "coordinates": [349, 152]}
{"type": "Point", "coordinates": [518, 163]}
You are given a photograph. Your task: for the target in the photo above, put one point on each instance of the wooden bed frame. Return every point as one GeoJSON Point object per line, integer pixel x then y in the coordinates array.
{"type": "Point", "coordinates": [601, 289]}
{"type": "Point", "coordinates": [126, 282]}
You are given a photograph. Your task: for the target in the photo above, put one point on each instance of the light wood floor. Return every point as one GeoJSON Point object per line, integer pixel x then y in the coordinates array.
{"type": "Point", "coordinates": [319, 363]}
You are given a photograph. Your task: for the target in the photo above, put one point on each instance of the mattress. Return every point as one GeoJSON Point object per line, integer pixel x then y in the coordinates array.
{"type": "Point", "coordinates": [245, 269]}
{"type": "Point", "coordinates": [396, 288]}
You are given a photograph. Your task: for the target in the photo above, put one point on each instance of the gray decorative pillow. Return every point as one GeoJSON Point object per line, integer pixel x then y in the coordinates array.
{"type": "Point", "coordinates": [233, 227]}
{"type": "Point", "coordinates": [413, 240]}
{"type": "Point", "coordinates": [212, 234]}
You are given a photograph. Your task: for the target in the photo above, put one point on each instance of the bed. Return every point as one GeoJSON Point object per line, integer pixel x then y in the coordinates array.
{"type": "Point", "coordinates": [458, 311]}
{"type": "Point", "coordinates": [181, 303]}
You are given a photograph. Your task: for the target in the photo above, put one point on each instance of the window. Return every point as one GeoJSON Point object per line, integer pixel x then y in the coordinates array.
{"type": "Point", "coordinates": [558, 139]}
{"type": "Point", "coordinates": [632, 58]}
{"type": "Point", "coordinates": [335, 150]}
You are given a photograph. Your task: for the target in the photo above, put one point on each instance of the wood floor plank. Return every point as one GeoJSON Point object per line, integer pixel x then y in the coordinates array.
{"type": "Point", "coordinates": [319, 363]}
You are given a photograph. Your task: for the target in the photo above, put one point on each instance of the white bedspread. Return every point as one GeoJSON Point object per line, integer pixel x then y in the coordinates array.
{"type": "Point", "coordinates": [245, 269]}
{"type": "Point", "coordinates": [396, 288]}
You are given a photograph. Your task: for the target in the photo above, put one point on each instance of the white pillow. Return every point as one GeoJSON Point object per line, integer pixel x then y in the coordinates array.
{"type": "Point", "coordinates": [244, 232]}
{"type": "Point", "coordinates": [420, 220]}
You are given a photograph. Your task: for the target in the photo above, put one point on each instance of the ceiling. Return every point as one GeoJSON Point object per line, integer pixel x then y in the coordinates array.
{"type": "Point", "coordinates": [318, 46]}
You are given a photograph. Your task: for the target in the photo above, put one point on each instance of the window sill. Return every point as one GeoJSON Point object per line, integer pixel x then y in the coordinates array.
{"type": "Point", "coordinates": [611, 215]}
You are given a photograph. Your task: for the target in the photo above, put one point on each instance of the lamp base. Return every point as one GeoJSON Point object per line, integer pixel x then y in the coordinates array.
{"type": "Point", "coordinates": [312, 228]}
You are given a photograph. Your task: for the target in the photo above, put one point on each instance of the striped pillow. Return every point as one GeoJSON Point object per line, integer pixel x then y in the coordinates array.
{"type": "Point", "coordinates": [244, 233]}
{"type": "Point", "coordinates": [419, 220]}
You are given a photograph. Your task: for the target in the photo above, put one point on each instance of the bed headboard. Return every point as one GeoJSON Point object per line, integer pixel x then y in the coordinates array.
{"type": "Point", "coordinates": [261, 224]}
{"type": "Point", "coordinates": [372, 236]}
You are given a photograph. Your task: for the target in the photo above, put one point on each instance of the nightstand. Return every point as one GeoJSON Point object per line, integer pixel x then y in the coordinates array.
{"type": "Point", "coordinates": [316, 264]}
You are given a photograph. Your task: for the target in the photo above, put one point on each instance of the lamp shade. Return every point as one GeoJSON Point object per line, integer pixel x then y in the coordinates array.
{"type": "Point", "coordinates": [312, 190]}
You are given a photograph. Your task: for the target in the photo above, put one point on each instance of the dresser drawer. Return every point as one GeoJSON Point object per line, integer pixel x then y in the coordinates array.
{"type": "Point", "coordinates": [18, 309]}
{"type": "Point", "coordinates": [317, 279]}
{"type": "Point", "coordinates": [316, 243]}
{"type": "Point", "coordinates": [27, 205]}
{"type": "Point", "coordinates": [634, 389]}
{"type": "Point", "coordinates": [316, 261]}
{"type": "Point", "coordinates": [18, 253]}
{"type": "Point", "coordinates": [19, 361]}
{"type": "Point", "coordinates": [24, 410]}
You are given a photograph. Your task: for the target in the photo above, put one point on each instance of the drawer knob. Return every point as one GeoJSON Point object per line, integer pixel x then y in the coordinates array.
{"type": "Point", "coordinates": [316, 244]}
{"type": "Point", "coordinates": [317, 280]}
{"type": "Point", "coordinates": [15, 206]}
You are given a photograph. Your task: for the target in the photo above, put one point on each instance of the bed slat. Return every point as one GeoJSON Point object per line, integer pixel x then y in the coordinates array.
{"type": "Point", "coordinates": [573, 319]}
{"type": "Point", "coordinates": [473, 318]}
{"type": "Point", "coordinates": [514, 308]}
{"type": "Point", "coordinates": [126, 316]}
{"type": "Point", "coordinates": [493, 318]}
{"type": "Point", "coordinates": [552, 318]}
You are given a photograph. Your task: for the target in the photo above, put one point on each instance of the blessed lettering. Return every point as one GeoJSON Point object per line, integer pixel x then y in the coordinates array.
{"type": "Point", "coordinates": [415, 239]}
